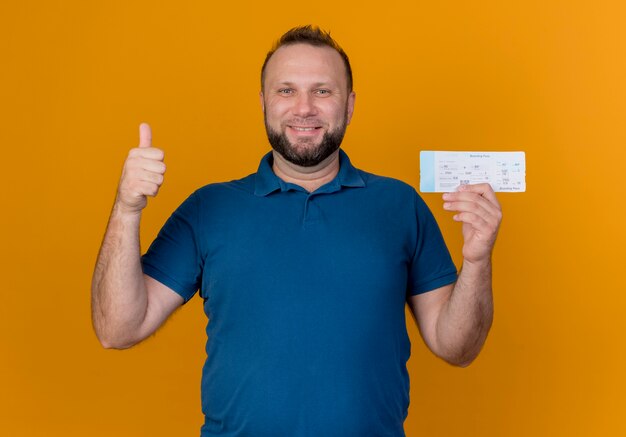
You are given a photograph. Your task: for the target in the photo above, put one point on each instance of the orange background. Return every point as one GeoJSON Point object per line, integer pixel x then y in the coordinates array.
{"type": "Point", "coordinates": [546, 77]}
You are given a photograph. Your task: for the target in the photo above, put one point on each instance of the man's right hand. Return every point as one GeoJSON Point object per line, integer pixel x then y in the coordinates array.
{"type": "Point", "coordinates": [127, 305]}
{"type": "Point", "coordinates": [142, 175]}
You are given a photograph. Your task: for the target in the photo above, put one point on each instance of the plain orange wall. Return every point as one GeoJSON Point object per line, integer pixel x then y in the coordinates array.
{"type": "Point", "coordinates": [546, 77]}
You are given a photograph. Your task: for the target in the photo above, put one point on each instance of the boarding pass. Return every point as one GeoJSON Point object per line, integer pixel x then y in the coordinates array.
{"type": "Point", "coordinates": [442, 171]}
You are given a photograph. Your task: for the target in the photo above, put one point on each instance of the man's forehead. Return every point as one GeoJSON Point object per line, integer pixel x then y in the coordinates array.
{"type": "Point", "coordinates": [301, 57]}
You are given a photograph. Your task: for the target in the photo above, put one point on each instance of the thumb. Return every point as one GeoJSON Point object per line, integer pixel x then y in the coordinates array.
{"type": "Point", "coordinates": [145, 135]}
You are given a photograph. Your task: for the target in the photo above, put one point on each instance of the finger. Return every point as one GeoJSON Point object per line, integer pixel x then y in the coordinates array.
{"type": "Point", "coordinates": [145, 188]}
{"type": "Point", "coordinates": [474, 220]}
{"type": "Point", "coordinates": [147, 153]}
{"type": "Point", "coordinates": [456, 200]}
{"type": "Point", "coordinates": [484, 190]}
{"type": "Point", "coordinates": [145, 135]}
{"type": "Point", "coordinates": [482, 230]}
{"type": "Point", "coordinates": [153, 166]}
{"type": "Point", "coordinates": [488, 214]}
{"type": "Point", "coordinates": [148, 176]}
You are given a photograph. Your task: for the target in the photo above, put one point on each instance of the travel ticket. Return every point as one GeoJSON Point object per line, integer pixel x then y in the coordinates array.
{"type": "Point", "coordinates": [442, 172]}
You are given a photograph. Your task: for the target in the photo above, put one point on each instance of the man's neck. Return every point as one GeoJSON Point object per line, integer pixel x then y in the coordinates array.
{"type": "Point", "coordinates": [309, 178]}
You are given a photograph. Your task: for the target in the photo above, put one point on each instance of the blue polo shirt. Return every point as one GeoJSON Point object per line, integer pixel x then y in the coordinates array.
{"type": "Point", "coordinates": [305, 296]}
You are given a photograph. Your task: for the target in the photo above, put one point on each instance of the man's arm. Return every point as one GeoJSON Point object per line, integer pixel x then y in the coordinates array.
{"type": "Point", "coordinates": [128, 306]}
{"type": "Point", "coordinates": [454, 320]}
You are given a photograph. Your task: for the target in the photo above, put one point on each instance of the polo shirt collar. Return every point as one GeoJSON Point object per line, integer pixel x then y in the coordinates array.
{"type": "Point", "coordinates": [267, 182]}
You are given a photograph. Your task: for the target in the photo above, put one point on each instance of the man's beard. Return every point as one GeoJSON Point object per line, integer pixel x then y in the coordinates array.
{"type": "Point", "coordinates": [306, 156]}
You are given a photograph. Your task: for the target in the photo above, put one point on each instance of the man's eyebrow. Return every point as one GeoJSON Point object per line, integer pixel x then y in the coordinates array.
{"type": "Point", "coordinates": [314, 85]}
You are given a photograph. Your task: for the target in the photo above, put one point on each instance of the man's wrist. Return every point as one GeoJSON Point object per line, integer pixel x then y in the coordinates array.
{"type": "Point", "coordinates": [124, 214]}
{"type": "Point", "coordinates": [481, 265]}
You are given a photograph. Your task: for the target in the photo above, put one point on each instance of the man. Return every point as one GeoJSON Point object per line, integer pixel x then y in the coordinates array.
{"type": "Point", "coordinates": [305, 268]}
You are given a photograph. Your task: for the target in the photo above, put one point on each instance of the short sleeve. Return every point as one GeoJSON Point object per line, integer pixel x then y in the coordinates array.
{"type": "Point", "coordinates": [174, 258]}
{"type": "Point", "coordinates": [432, 265]}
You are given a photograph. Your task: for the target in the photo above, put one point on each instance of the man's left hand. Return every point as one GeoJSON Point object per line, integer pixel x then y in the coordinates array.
{"type": "Point", "coordinates": [477, 207]}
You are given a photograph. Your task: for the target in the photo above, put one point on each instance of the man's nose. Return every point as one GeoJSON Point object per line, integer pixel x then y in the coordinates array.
{"type": "Point", "coordinates": [304, 105]}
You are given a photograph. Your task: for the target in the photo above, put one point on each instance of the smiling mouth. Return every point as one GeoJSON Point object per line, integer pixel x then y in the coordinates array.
{"type": "Point", "coordinates": [304, 129]}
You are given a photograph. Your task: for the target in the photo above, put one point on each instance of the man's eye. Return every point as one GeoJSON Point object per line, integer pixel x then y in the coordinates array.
{"type": "Point", "coordinates": [285, 91]}
{"type": "Point", "coordinates": [323, 92]}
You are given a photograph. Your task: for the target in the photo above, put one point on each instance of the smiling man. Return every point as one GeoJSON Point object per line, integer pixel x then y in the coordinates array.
{"type": "Point", "coordinates": [308, 102]}
{"type": "Point", "coordinates": [304, 267]}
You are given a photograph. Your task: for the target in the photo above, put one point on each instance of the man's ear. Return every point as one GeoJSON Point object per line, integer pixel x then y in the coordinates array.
{"type": "Point", "coordinates": [262, 101]}
{"type": "Point", "coordinates": [351, 99]}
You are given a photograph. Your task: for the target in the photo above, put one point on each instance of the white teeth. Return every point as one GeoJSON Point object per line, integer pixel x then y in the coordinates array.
{"type": "Point", "coordinates": [303, 129]}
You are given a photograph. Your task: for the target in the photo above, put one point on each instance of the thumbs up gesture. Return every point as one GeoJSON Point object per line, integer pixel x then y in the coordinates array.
{"type": "Point", "coordinates": [142, 174]}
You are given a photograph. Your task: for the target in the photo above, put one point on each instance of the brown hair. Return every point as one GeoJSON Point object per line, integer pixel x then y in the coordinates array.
{"type": "Point", "coordinates": [311, 35]}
